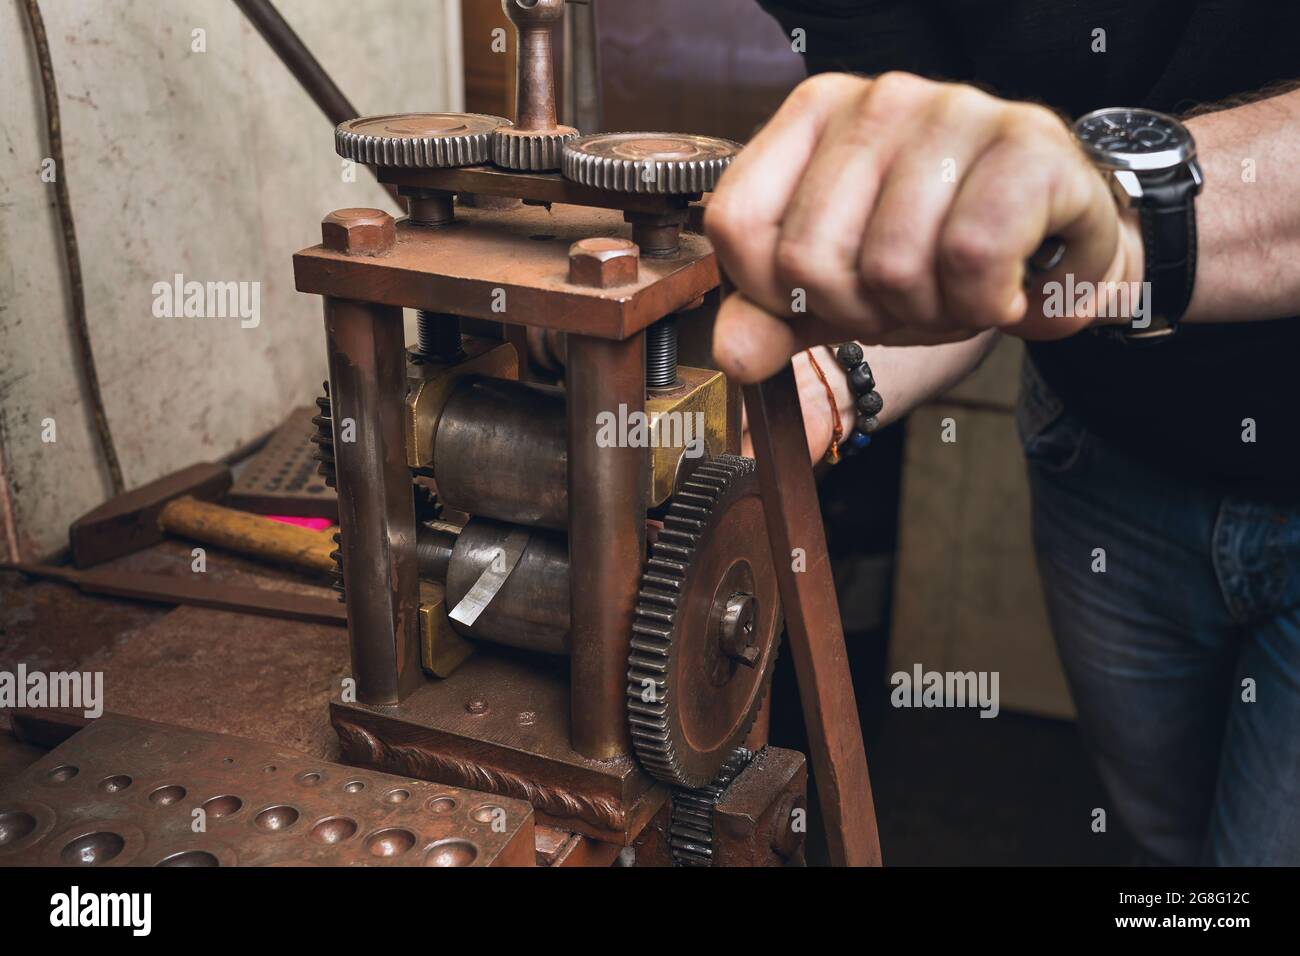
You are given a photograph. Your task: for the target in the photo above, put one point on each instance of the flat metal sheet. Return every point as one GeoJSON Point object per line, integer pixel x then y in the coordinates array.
{"type": "Point", "coordinates": [493, 578]}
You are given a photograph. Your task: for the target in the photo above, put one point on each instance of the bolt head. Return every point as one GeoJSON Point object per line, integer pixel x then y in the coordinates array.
{"type": "Point", "coordinates": [476, 706]}
{"type": "Point", "coordinates": [359, 232]}
{"type": "Point", "coordinates": [604, 263]}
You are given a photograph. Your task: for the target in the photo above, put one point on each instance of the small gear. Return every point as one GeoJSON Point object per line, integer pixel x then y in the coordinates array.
{"type": "Point", "coordinates": [664, 163]}
{"type": "Point", "coordinates": [707, 625]}
{"type": "Point", "coordinates": [418, 140]}
{"type": "Point", "coordinates": [530, 150]}
{"type": "Point", "coordinates": [690, 835]}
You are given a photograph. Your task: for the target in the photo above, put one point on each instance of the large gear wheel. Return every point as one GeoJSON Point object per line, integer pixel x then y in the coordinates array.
{"type": "Point", "coordinates": [418, 140]}
{"type": "Point", "coordinates": [707, 624]}
{"type": "Point", "coordinates": [662, 163]}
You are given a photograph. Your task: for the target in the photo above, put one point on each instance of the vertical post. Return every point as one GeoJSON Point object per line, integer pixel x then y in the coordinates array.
{"type": "Point", "coordinates": [367, 367]}
{"type": "Point", "coordinates": [607, 505]}
{"type": "Point", "coordinates": [812, 619]}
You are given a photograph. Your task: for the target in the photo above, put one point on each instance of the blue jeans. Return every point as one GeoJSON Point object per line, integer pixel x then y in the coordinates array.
{"type": "Point", "coordinates": [1183, 655]}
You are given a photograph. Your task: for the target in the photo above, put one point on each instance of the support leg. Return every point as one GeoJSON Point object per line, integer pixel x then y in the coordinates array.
{"type": "Point", "coordinates": [367, 365]}
{"type": "Point", "coordinates": [607, 505]}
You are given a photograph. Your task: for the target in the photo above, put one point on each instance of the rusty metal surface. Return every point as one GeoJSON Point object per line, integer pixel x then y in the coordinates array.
{"type": "Point", "coordinates": [281, 479]}
{"type": "Point", "coordinates": [500, 452]}
{"type": "Point", "coordinates": [367, 362]}
{"type": "Point", "coordinates": [607, 543]}
{"type": "Point", "coordinates": [466, 267]}
{"type": "Point", "coordinates": [432, 381]}
{"type": "Point", "coordinates": [122, 792]}
{"type": "Point", "coordinates": [813, 621]}
{"type": "Point", "coordinates": [193, 590]}
{"type": "Point", "coordinates": [761, 820]}
{"type": "Point", "coordinates": [540, 188]}
{"type": "Point", "coordinates": [500, 724]}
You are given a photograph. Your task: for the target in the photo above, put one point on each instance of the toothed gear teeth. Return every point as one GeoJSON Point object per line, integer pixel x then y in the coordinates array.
{"type": "Point", "coordinates": [660, 163]}
{"type": "Point", "coordinates": [419, 140]}
{"type": "Point", "coordinates": [530, 150]}
{"type": "Point", "coordinates": [693, 514]}
{"type": "Point", "coordinates": [690, 834]}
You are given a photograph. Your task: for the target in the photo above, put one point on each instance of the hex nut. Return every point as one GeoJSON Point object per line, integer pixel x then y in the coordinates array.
{"type": "Point", "coordinates": [604, 263]}
{"type": "Point", "coordinates": [359, 232]}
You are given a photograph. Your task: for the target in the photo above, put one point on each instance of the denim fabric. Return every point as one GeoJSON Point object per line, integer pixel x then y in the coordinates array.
{"type": "Point", "coordinates": [1201, 592]}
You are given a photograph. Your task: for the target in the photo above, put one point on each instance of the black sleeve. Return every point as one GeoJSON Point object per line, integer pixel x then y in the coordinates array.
{"type": "Point", "coordinates": [870, 36]}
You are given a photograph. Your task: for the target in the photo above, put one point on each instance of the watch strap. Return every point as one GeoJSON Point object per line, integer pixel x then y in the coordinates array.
{"type": "Point", "coordinates": [1167, 215]}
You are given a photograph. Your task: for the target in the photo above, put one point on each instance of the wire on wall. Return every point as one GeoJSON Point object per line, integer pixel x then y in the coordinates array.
{"type": "Point", "coordinates": [71, 254]}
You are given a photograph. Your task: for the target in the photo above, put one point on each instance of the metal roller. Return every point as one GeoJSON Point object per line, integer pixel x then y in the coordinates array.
{"type": "Point", "coordinates": [530, 610]}
{"type": "Point", "coordinates": [499, 452]}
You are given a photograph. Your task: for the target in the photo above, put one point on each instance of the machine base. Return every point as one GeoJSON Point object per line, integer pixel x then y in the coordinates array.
{"type": "Point", "coordinates": [501, 725]}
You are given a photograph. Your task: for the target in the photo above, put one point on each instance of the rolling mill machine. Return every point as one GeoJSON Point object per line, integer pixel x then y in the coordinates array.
{"type": "Point", "coordinates": [563, 584]}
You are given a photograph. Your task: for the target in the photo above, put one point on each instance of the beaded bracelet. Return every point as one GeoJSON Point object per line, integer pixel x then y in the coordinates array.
{"type": "Point", "coordinates": [867, 400]}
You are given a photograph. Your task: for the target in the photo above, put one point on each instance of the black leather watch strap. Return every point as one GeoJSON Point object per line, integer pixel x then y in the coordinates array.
{"type": "Point", "coordinates": [1167, 214]}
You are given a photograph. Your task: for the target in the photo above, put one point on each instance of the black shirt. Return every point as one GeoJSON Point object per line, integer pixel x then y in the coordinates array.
{"type": "Point", "coordinates": [1179, 405]}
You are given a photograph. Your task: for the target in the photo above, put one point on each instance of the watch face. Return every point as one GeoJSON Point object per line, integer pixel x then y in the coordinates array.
{"type": "Point", "coordinates": [1135, 139]}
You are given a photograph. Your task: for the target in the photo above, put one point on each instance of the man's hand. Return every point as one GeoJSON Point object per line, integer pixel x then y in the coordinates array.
{"type": "Point", "coordinates": [898, 210]}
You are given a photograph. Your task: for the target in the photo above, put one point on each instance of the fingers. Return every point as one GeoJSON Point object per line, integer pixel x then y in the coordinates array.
{"type": "Point", "coordinates": [991, 229]}
{"type": "Point", "coordinates": [897, 259]}
{"type": "Point", "coordinates": [821, 232]}
{"type": "Point", "coordinates": [900, 210]}
{"type": "Point", "coordinates": [744, 214]}
{"type": "Point", "coordinates": [750, 344]}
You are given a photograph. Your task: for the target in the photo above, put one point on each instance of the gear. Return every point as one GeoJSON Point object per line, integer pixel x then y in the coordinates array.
{"type": "Point", "coordinates": [690, 835]}
{"type": "Point", "coordinates": [530, 150]}
{"type": "Point", "coordinates": [707, 625]}
{"type": "Point", "coordinates": [664, 163]}
{"type": "Point", "coordinates": [418, 140]}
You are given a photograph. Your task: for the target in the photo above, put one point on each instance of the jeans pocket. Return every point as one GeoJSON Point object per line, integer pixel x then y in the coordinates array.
{"type": "Point", "coordinates": [1052, 438]}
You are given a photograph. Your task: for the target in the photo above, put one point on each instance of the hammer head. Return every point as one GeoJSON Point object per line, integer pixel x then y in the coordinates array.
{"type": "Point", "coordinates": [129, 522]}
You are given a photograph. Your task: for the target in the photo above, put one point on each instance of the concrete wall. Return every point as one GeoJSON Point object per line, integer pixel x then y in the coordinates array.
{"type": "Point", "coordinates": [214, 165]}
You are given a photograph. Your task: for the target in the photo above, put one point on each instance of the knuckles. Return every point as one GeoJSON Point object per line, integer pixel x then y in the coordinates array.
{"type": "Point", "coordinates": [968, 251]}
{"type": "Point", "coordinates": [893, 271]}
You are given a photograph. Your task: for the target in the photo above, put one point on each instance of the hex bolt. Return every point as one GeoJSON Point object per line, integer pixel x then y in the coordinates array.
{"type": "Point", "coordinates": [476, 706]}
{"type": "Point", "coordinates": [358, 232]}
{"type": "Point", "coordinates": [604, 263]}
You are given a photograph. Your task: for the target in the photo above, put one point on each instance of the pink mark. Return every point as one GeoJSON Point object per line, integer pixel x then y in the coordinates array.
{"type": "Point", "coordinates": [316, 524]}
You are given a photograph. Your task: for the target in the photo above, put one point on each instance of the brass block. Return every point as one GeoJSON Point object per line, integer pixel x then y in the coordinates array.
{"type": "Point", "coordinates": [430, 384]}
{"type": "Point", "coordinates": [678, 417]}
{"type": "Point", "coordinates": [442, 650]}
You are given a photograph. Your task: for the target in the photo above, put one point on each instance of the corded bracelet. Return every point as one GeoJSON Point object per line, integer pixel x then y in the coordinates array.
{"type": "Point", "coordinates": [867, 401]}
{"type": "Point", "coordinates": [837, 431]}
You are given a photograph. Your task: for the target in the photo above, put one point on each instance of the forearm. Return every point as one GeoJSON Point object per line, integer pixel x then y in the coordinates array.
{"type": "Point", "coordinates": [1248, 215]}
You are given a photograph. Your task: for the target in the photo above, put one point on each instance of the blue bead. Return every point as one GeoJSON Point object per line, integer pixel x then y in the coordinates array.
{"type": "Point", "coordinates": [859, 439]}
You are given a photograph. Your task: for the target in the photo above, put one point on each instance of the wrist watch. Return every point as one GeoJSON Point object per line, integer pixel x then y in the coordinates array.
{"type": "Point", "coordinates": [1150, 161]}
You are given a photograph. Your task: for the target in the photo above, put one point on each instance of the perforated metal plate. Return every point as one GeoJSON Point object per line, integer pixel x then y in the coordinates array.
{"type": "Point", "coordinates": [128, 792]}
{"type": "Point", "coordinates": [281, 479]}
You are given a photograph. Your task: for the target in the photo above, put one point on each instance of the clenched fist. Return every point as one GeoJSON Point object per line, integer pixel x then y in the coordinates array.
{"type": "Point", "coordinates": [898, 210]}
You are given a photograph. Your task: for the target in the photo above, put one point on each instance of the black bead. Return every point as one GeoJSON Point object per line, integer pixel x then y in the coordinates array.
{"type": "Point", "coordinates": [870, 403]}
{"type": "Point", "coordinates": [849, 354]}
{"type": "Point", "coordinates": [867, 424]}
{"type": "Point", "coordinates": [861, 379]}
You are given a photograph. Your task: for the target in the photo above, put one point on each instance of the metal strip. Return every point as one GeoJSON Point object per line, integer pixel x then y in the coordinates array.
{"type": "Point", "coordinates": [493, 578]}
